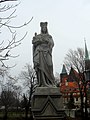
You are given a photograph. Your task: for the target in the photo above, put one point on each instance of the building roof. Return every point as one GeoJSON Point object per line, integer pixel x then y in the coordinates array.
{"type": "Point", "coordinates": [68, 83]}
{"type": "Point", "coordinates": [72, 75]}
{"type": "Point", "coordinates": [64, 70]}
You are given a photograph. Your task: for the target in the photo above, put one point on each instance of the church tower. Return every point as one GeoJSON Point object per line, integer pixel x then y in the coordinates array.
{"type": "Point", "coordinates": [87, 63]}
{"type": "Point", "coordinates": [63, 73]}
{"type": "Point", "coordinates": [87, 60]}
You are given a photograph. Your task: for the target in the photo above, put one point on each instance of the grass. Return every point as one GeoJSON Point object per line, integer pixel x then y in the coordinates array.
{"type": "Point", "coordinates": [14, 116]}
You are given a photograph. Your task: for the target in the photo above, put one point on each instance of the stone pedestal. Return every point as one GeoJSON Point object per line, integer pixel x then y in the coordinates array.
{"type": "Point", "coordinates": [47, 104]}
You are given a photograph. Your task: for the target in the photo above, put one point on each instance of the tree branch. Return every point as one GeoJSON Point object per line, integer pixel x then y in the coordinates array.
{"type": "Point", "coordinates": [6, 0]}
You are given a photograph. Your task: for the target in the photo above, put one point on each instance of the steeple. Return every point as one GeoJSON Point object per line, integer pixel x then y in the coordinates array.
{"type": "Point", "coordinates": [86, 52]}
{"type": "Point", "coordinates": [87, 60]}
{"type": "Point", "coordinates": [64, 72]}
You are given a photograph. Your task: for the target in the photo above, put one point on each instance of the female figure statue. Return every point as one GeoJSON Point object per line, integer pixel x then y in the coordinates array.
{"type": "Point", "coordinates": [42, 56]}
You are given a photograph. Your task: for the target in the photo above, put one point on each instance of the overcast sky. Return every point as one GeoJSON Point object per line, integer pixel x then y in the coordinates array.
{"type": "Point", "coordinates": [68, 23]}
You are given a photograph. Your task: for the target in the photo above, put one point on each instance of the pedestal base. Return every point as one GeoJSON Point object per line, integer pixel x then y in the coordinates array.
{"type": "Point", "coordinates": [47, 104]}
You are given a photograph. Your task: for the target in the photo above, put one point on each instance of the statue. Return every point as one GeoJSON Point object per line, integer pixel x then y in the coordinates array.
{"type": "Point", "coordinates": [42, 57]}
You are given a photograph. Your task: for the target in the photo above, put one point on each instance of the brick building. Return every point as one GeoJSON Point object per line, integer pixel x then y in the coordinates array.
{"type": "Point", "coordinates": [68, 84]}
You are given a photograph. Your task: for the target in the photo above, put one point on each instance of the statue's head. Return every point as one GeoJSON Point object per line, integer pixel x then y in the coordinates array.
{"type": "Point", "coordinates": [43, 26]}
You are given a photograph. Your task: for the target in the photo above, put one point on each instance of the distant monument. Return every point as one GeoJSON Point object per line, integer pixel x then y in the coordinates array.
{"type": "Point", "coordinates": [47, 102]}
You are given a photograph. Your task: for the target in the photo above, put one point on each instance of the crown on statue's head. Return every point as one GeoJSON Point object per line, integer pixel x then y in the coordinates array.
{"type": "Point", "coordinates": [43, 24]}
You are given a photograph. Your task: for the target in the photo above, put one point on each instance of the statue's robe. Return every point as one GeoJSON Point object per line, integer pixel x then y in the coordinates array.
{"type": "Point", "coordinates": [42, 58]}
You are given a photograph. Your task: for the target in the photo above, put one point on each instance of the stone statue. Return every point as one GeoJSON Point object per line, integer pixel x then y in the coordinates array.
{"type": "Point", "coordinates": [42, 57]}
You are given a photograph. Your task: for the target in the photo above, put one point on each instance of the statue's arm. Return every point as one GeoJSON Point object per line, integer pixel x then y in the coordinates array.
{"type": "Point", "coordinates": [51, 42]}
{"type": "Point", "coordinates": [36, 40]}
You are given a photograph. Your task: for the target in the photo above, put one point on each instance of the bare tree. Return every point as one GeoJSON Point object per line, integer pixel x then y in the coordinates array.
{"type": "Point", "coordinates": [75, 59]}
{"type": "Point", "coordinates": [11, 42]}
{"type": "Point", "coordinates": [10, 92]}
{"type": "Point", "coordinates": [28, 77]}
{"type": "Point", "coordinates": [7, 99]}
{"type": "Point", "coordinates": [6, 0]}
{"type": "Point", "coordinates": [7, 14]}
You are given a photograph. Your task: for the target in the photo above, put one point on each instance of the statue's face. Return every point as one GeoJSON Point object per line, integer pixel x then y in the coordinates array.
{"type": "Point", "coordinates": [44, 29]}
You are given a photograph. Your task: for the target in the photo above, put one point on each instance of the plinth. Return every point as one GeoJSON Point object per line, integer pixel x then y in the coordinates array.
{"type": "Point", "coordinates": [47, 104]}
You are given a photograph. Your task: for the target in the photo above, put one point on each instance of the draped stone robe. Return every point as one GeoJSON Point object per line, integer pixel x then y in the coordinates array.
{"type": "Point", "coordinates": [42, 58]}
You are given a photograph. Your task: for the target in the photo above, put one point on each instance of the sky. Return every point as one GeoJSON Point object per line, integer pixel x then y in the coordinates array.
{"type": "Point", "coordinates": [68, 24]}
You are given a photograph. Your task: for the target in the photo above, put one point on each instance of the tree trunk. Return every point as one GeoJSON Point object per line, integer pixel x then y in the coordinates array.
{"type": "Point", "coordinates": [5, 114]}
{"type": "Point", "coordinates": [82, 112]}
{"type": "Point", "coordinates": [86, 113]}
{"type": "Point", "coordinates": [26, 113]}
